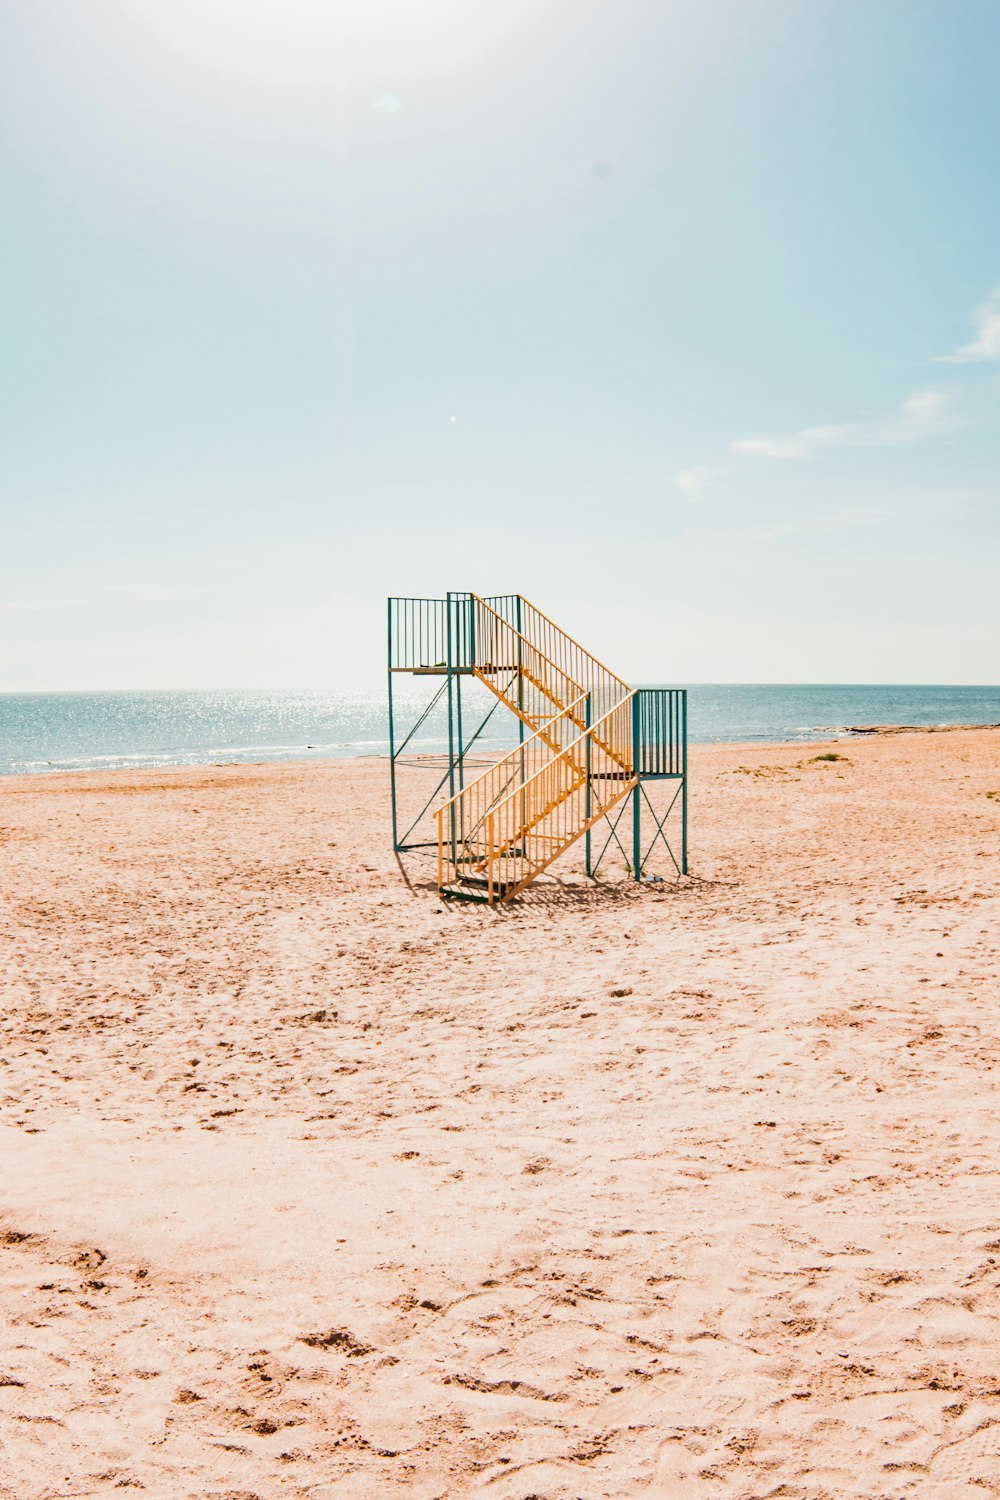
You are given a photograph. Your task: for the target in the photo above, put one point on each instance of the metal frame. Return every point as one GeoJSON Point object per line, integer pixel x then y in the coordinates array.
{"type": "Point", "coordinates": [639, 735]}
{"type": "Point", "coordinates": [420, 627]}
{"type": "Point", "coordinates": [659, 738]}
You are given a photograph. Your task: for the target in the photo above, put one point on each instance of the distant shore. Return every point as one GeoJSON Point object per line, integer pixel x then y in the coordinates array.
{"type": "Point", "coordinates": [912, 728]}
{"type": "Point", "coordinates": [316, 756]}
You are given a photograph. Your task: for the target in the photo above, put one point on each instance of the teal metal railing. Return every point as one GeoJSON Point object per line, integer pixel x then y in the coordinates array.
{"type": "Point", "coordinates": [600, 740]}
{"type": "Point", "coordinates": [660, 731]}
{"type": "Point", "coordinates": [428, 635]}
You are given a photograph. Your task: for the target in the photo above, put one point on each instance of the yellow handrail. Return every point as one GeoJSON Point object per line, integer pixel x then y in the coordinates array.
{"type": "Point", "coordinates": [520, 814]}
{"type": "Point", "coordinates": [507, 825]}
{"type": "Point", "coordinates": [526, 676]}
{"type": "Point", "coordinates": [462, 820]}
{"type": "Point", "coordinates": [519, 672]}
{"type": "Point", "coordinates": [580, 661]}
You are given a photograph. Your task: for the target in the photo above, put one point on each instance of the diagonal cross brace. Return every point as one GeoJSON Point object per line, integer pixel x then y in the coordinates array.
{"type": "Point", "coordinates": [660, 833]}
{"type": "Point", "coordinates": [613, 835]}
{"type": "Point", "coordinates": [468, 746]}
{"type": "Point", "coordinates": [660, 826]}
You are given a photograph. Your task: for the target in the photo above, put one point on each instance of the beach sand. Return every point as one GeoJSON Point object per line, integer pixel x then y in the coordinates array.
{"type": "Point", "coordinates": [312, 1186]}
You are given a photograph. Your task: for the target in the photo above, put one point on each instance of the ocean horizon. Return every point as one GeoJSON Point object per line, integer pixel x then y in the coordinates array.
{"type": "Point", "coordinates": [93, 731]}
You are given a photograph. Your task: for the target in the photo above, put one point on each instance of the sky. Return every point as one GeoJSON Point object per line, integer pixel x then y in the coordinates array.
{"type": "Point", "coordinates": [679, 317]}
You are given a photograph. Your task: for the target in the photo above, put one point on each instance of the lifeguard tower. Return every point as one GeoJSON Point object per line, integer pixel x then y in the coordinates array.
{"type": "Point", "coordinates": [588, 746]}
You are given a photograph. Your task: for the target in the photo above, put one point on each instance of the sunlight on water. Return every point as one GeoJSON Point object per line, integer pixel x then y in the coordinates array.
{"type": "Point", "coordinates": [116, 731]}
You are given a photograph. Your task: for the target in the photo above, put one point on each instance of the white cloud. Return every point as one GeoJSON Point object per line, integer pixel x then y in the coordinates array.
{"type": "Point", "coordinates": [849, 519]}
{"type": "Point", "coordinates": [387, 104]}
{"type": "Point", "coordinates": [986, 344]}
{"type": "Point", "coordinates": [121, 593]}
{"type": "Point", "coordinates": [694, 482]}
{"type": "Point", "coordinates": [922, 415]}
{"type": "Point", "coordinates": [767, 447]}
{"type": "Point", "coordinates": [141, 593]}
{"type": "Point", "coordinates": [28, 606]}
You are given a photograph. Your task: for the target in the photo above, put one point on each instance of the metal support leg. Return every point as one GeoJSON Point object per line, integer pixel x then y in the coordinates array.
{"type": "Point", "coordinates": [586, 721]}
{"type": "Point", "coordinates": [684, 784]}
{"type": "Point", "coordinates": [451, 721]}
{"type": "Point", "coordinates": [460, 733]}
{"type": "Point", "coordinates": [636, 794]}
{"type": "Point", "coordinates": [520, 704]}
{"type": "Point", "coordinates": [392, 745]}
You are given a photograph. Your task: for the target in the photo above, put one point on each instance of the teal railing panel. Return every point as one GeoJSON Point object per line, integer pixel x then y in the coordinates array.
{"type": "Point", "coordinates": [423, 633]}
{"type": "Point", "coordinates": [660, 731]}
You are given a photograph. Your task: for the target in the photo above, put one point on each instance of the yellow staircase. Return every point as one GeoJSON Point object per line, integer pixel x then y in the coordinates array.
{"type": "Point", "coordinates": [576, 761]}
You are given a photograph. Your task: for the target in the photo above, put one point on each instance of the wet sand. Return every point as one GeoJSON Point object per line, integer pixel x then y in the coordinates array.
{"type": "Point", "coordinates": [314, 1187]}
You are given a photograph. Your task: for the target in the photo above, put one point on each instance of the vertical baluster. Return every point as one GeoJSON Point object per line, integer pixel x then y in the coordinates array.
{"type": "Point", "coordinates": [489, 858]}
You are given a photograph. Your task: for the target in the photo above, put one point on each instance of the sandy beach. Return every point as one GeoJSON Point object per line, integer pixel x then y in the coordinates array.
{"type": "Point", "coordinates": [315, 1187]}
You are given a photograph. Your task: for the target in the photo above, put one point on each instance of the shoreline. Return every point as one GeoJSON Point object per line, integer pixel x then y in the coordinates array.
{"type": "Point", "coordinates": [841, 734]}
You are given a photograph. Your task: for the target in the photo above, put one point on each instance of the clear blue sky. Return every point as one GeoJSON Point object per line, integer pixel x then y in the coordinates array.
{"type": "Point", "coordinates": [679, 317]}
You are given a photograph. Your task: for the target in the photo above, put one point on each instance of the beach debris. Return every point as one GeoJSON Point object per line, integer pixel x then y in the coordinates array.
{"type": "Point", "coordinates": [912, 728]}
{"type": "Point", "coordinates": [14, 1236]}
{"type": "Point", "coordinates": [90, 1260]}
{"type": "Point", "coordinates": [311, 1017]}
{"type": "Point", "coordinates": [264, 1427]}
{"type": "Point", "coordinates": [340, 1339]}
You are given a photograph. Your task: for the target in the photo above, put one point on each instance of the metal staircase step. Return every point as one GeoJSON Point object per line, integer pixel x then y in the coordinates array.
{"type": "Point", "coordinates": [577, 772]}
{"type": "Point", "coordinates": [472, 888]}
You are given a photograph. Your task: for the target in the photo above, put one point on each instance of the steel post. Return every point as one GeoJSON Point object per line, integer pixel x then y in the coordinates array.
{"type": "Point", "coordinates": [636, 792]}
{"type": "Point", "coordinates": [586, 724]}
{"type": "Point", "coordinates": [461, 741]}
{"type": "Point", "coordinates": [449, 667]}
{"type": "Point", "coordinates": [520, 704]}
{"type": "Point", "coordinates": [392, 742]}
{"type": "Point", "coordinates": [684, 782]}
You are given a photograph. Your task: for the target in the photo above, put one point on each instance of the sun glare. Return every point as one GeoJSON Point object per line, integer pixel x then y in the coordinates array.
{"type": "Point", "coordinates": [299, 40]}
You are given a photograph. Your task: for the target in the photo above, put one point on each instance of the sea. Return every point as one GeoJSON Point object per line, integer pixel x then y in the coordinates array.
{"type": "Point", "coordinates": [107, 731]}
